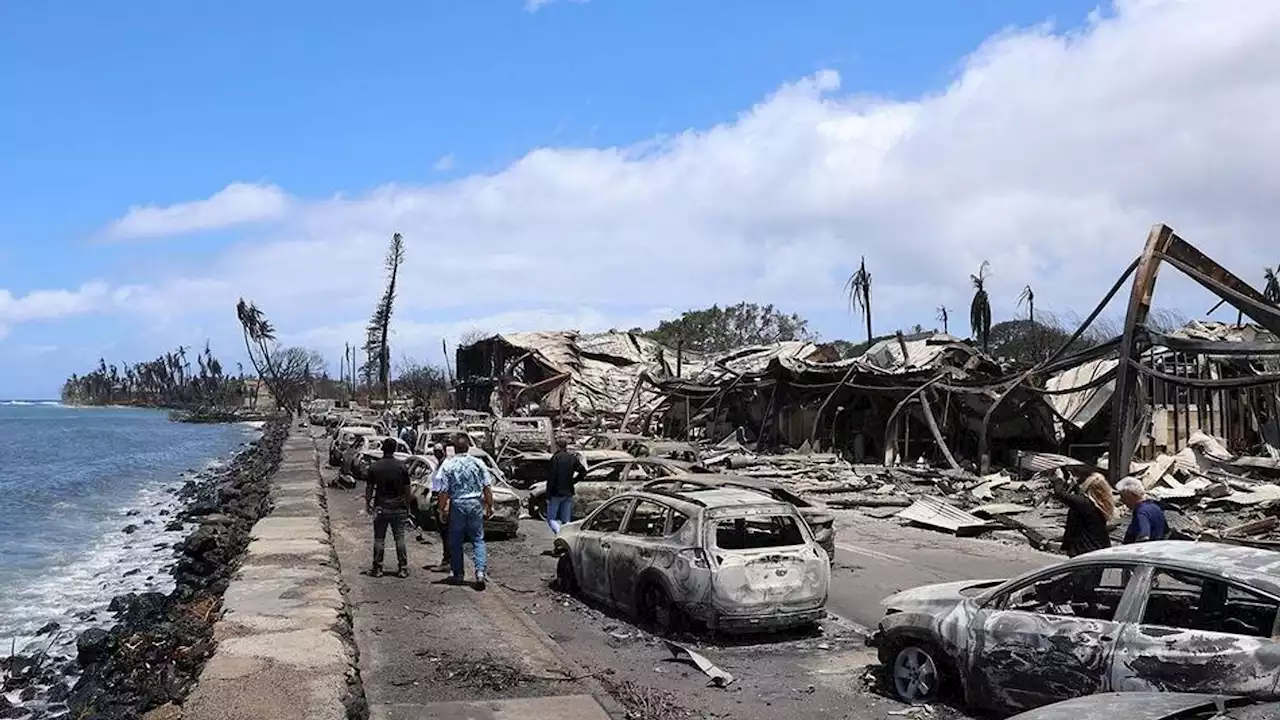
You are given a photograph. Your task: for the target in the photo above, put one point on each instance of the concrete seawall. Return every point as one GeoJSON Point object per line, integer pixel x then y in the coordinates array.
{"type": "Point", "coordinates": [283, 640]}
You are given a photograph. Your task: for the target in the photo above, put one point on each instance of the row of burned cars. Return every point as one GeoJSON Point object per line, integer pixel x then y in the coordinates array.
{"type": "Point", "coordinates": [1158, 631]}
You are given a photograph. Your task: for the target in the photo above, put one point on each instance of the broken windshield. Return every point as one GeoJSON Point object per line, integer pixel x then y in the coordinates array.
{"type": "Point", "coordinates": [757, 532]}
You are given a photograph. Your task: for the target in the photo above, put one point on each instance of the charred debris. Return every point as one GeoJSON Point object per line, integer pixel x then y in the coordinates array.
{"type": "Point", "coordinates": [930, 428]}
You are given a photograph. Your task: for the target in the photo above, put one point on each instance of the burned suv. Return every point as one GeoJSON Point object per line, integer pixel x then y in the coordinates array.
{"type": "Point", "coordinates": [727, 558]}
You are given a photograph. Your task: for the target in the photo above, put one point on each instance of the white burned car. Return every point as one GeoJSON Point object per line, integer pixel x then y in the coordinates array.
{"type": "Point", "coordinates": [731, 559]}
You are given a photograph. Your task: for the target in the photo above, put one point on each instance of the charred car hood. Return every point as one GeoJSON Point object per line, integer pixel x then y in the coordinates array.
{"type": "Point", "coordinates": [941, 595]}
{"type": "Point", "coordinates": [1130, 706]}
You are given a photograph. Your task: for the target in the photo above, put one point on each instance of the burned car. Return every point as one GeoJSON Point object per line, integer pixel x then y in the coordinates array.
{"type": "Point", "coordinates": [606, 479]}
{"type": "Point", "coordinates": [527, 469]}
{"type": "Point", "coordinates": [345, 438]}
{"type": "Point", "coordinates": [820, 520]}
{"type": "Point", "coordinates": [1155, 706]}
{"type": "Point", "coordinates": [1167, 616]}
{"type": "Point", "coordinates": [642, 446]}
{"type": "Point", "coordinates": [730, 559]}
{"type": "Point", "coordinates": [505, 521]}
{"type": "Point", "coordinates": [368, 450]}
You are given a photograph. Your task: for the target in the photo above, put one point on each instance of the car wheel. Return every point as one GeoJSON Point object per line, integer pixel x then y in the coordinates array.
{"type": "Point", "coordinates": [565, 578]}
{"type": "Point", "coordinates": [656, 609]}
{"type": "Point", "coordinates": [916, 674]}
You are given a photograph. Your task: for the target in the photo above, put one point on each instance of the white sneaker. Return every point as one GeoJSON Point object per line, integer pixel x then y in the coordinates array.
{"type": "Point", "coordinates": [481, 579]}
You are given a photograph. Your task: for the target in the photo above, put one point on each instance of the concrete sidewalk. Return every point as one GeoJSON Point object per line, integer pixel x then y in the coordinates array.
{"type": "Point", "coordinates": [433, 650]}
{"type": "Point", "coordinates": [280, 653]}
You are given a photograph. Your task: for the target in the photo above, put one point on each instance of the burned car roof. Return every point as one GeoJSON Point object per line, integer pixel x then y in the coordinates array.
{"type": "Point", "coordinates": [1260, 568]}
{"type": "Point", "coordinates": [1136, 706]}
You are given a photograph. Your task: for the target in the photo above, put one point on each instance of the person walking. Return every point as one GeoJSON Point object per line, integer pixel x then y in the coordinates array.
{"type": "Point", "coordinates": [466, 498]}
{"type": "Point", "coordinates": [442, 519]}
{"type": "Point", "coordinates": [1089, 511]}
{"type": "Point", "coordinates": [1148, 521]}
{"type": "Point", "coordinates": [387, 496]}
{"type": "Point", "coordinates": [566, 471]}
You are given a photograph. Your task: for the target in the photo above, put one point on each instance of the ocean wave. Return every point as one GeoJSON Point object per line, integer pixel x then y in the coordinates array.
{"type": "Point", "coordinates": [30, 403]}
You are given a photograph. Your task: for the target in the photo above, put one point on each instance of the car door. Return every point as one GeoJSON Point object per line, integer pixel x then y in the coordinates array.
{"type": "Point", "coordinates": [1049, 638]}
{"type": "Point", "coordinates": [1196, 633]}
{"type": "Point", "coordinates": [594, 543]}
{"type": "Point", "coordinates": [632, 550]}
{"type": "Point", "coordinates": [599, 484]}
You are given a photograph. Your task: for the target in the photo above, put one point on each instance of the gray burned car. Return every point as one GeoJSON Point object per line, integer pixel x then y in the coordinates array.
{"type": "Point", "coordinates": [820, 520]}
{"type": "Point", "coordinates": [1161, 616]}
{"type": "Point", "coordinates": [1154, 706]}
{"type": "Point", "coordinates": [730, 559]}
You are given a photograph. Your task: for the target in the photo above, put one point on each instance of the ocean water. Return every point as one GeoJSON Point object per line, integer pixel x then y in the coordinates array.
{"type": "Point", "coordinates": [71, 481]}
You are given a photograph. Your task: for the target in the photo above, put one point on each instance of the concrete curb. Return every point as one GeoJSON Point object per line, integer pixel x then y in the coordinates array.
{"type": "Point", "coordinates": [281, 650]}
{"type": "Point", "coordinates": [592, 685]}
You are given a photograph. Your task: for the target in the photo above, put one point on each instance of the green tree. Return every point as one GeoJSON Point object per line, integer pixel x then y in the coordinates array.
{"type": "Point", "coordinates": [980, 308]}
{"type": "Point", "coordinates": [717, 329]}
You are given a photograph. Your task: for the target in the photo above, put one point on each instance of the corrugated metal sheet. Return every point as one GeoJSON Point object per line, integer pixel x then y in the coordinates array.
{"type": "Point", "coordinates": [1080, 407]}
{"type": "Point", "coordinates": [936, 513]}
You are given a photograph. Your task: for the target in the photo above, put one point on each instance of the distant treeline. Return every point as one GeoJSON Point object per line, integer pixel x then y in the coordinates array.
{"type": "Point", "coordinates": [167, 381]}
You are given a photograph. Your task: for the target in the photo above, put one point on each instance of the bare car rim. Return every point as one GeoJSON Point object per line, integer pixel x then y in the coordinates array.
{"type": "Point", "coordinates": [915, 675]}
{"type": "Point", "coordinates": [564, 574]}
{"type": "Point", "coordinates": [657, 607]}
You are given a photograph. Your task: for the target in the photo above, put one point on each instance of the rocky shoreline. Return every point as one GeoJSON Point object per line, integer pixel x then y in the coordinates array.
{"type": "Point", "coordinates": [154, 652]}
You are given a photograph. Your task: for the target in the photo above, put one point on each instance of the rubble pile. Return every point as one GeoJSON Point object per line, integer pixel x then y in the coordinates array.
{"type": "Point", "coordinates": [1207, 492]}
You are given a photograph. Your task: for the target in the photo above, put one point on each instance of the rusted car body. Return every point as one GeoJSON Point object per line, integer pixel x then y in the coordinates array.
{"type": "Point", "coordinates": [1154, 706]}
{"type": "Point", "coordinates": [1162, 616]}
{"type": "Point", "coordinates": [527, 469]}
{"type": "Point", "coordinates": [364, 449]}
{"type": "Point", "coordinates": [821, 521]}
{"type": "Point", "coordinates": [729, 559]}
{"type": "Point", "coordinates": [642, 446]}
{"type": "Point", "coordinates": [605, 479]}
{"type": "Point", "coordinates": [505, 521]}
{"type": "Point", "coordinates": [345, 438]}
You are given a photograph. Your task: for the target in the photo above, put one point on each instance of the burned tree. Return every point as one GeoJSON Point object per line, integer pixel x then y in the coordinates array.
{"type": "Point", "coordinates": [980, 308]}
{"type": "Point", "coordinates": [380, 325]}
{"type": "Point", "coordinates": [858, 288]}
{"type": "Point", "coordinates": [287, 372]}
{"type": "Point", "coordinates": [943, 318]}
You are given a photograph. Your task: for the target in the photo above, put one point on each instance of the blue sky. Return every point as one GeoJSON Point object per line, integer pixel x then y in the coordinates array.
{"type": "Point", "coordinates": [543, 142]}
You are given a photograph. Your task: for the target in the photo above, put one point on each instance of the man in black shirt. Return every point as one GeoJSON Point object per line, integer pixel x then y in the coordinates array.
{"type": "Point", "coordinates": [566, 470]}
{"type": "Point", "coordinates": [387, 496]}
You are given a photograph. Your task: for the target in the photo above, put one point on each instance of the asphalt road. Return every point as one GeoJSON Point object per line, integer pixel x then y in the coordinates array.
{"type": "Point", "coordinates": [876, 558]}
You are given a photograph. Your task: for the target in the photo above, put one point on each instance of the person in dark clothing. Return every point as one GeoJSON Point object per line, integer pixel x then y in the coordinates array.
{"type": "Point", "coordinates": [1089, 510]}
{"type": "Point", "coordinates": [387, 496]}
{"type": "Point", "coordinates": [566, 471]}
{"type": "Point", "coordinates": [1148, 518]}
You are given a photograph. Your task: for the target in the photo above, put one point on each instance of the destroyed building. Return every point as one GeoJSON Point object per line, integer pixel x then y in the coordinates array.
{"type": "Point", "coordinates": [928, 397]}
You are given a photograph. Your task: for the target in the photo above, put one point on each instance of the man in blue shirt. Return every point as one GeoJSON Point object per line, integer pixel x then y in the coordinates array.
{"type": "Point", "coordinates": [1148, 519]}
{"type": "Point", "coordinates": [466, 499]}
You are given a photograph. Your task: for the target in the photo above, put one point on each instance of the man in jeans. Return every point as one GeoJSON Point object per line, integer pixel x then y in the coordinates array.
{"type": "Point", "coordinates": [387, 497]}
{"type": "Point", "coordinates": [566, 471]}
{"type": "Point", "coordinates": [466, 499]}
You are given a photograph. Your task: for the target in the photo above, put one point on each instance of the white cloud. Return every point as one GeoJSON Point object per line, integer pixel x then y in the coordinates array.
{"type": "Point", "coordinates": [535, 5]}
{"type": "Point", "coordinates": [236, 204]}
{"type": "Point", "coordinates": [445, 163]}
{"type": "Point", "coordinates": [40, 305]}
{"type": "Point", "coordinates": [1051, 154]}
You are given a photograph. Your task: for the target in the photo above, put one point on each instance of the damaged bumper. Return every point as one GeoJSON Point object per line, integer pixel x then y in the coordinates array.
{"type": "Point", "coordinates": [727, 623]}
